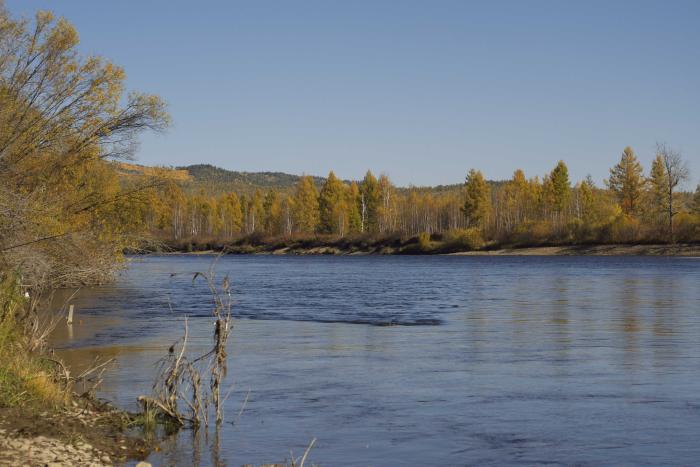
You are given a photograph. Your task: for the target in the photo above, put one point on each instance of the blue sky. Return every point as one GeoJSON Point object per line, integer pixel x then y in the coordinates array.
{"type": "Point", "coordinates": [421, 90]}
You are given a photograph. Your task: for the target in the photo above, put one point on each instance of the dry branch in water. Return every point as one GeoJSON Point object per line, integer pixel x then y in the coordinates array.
{"type": "Point", "coordinates": [179, 380]}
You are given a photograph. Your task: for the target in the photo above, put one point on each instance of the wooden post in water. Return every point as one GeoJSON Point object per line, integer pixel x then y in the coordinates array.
{"type": "Point", "coordinates": [70, 314]}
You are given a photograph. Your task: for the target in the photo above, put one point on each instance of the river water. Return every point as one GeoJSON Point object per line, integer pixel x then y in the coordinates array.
{"type": "Point", "coordinates": [425, 360]}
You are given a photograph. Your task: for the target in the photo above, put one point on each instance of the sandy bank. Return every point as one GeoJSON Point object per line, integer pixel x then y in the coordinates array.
{"type": "Point", "coordinates": [592, 250]}
{"type": "Point", "coordinates": [570, 250]}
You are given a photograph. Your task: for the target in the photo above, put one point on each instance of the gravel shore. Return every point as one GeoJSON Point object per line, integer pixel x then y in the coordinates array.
{"type": "Point", "coordinates": [77, 437]}
{"type": "Point", "coordinates": [42, 451]}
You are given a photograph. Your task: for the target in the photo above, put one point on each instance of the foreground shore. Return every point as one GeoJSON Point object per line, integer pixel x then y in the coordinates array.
{"type": "Point", "coordinates": [81, 436]}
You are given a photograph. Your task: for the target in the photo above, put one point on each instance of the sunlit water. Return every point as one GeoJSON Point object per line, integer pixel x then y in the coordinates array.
{"type": "Point", "coordinates": [421, 360]}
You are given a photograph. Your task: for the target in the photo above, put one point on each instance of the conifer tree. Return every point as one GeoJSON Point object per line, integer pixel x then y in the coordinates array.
{"type": "Point", "coordinates": [515, 200]}
{"type": "Point", "coordinates": [657, 187]}
{"type": "Point", "coordinates": [560, 187]}
{"type": "Point", "coordinates": [306, 215]}
{"type": "Point", "coordinates": [627, 182]}
{"type": "Point", "coordinates": [331, 194]}
{"type": "Point", "coordinates": [586, 195]}
{"type": "Point", "coordinates": [352, 195]}
{"type": "Point", "coordinates": [272, 212]}
{"type": "Point", "coordinates": [476, 199]}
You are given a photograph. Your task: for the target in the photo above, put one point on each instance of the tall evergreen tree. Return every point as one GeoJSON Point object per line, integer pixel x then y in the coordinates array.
{"type": "Point", "coordinates": [586, 196]}
{"type": "Point", "coordinates": [477, 199]}
{"type": "Point", "coordinates": [627, 182]}
{"type": "Point", "coordinates": [657, 188]}
{"type": "Point", "coordinates": [560, 186]}
{"type": "Point", "coordinates": [306, 214]}
{"type": "Point", "coordinates": [331, 195]}
{"type": "Point", "coordinates": [352, 195]}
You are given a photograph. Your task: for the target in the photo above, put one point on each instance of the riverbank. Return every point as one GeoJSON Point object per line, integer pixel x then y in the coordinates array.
{"type": "Point", "coordinates": [43, 419]}
{"type": "Point", "coordinates": [83, 435]}
{"type": "Point", "coordinates": [592, 250]}
{"type": "Point", "coordinates": [691, 250]}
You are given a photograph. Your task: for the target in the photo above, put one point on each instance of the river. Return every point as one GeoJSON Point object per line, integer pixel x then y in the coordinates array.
{"type": "Point", "coordinates": [423, 360]}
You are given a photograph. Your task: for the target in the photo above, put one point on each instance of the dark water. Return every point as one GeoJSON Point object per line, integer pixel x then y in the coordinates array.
{"type": "Point", "coordinates": [423, 360]}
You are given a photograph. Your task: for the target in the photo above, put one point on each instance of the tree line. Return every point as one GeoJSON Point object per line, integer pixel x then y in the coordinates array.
{"type": "Point", "coordinates": [632, 206]}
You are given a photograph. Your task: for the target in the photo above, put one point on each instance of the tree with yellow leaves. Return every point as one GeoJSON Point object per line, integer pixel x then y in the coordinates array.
{"type": "Point", "coordinates": [63, 116]}
{"type": "Point", "coordinates": [477, 199]}
{"type": "Point", "coordinates": [627, 182]}
{"type": "Point", "coordinates": [306, 214]}
{"type": "Point", "coordinates": [332, 194]}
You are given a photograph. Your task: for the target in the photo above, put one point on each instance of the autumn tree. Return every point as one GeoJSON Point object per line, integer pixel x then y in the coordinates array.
{"type": "Point", "coordinates": [230, 215]}
{"type": "Point", "coordinates": [386, 212]}
{"type": "Point", "coordinates": [476, 199]}
{"type": "Point", "coordinates": [369, 203]}
{"type": "Point", "coordinates": [306, 214]}
{"type": "Point", "coordinates": [254, 213]}
{"type": "Point", "coordinates": [515, 201]}
{"type": "Point", "coordinates": [287, 214]}
{"type": "Point", "coordinates": [332, 194]}
{"type": "Point", "coordinates": [560, 187]}
{"type": "Point", "coordinates": [272, 210]}
{"type": "Point", "coordinates": [627, 182]}
{"type": "Point", "coordinates": [657, 193]}
{"type": "Point", "coordinates": [352, 197]}
{"type": "Point", "coordinates": [62, 116]}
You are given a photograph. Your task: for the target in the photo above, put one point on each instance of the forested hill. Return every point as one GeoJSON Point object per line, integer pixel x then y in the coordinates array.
{"type": "Point", "coordinates": [214, 180]}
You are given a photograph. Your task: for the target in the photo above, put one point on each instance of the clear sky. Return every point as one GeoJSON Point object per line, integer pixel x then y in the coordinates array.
{"type": "Point", "coordinates": [421, 90]}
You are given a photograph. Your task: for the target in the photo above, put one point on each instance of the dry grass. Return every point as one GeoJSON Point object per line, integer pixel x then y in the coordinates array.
{"type": "Point", "coordinates": [30, 375]}
{"type": "Point", "coordinates": [26, 379]}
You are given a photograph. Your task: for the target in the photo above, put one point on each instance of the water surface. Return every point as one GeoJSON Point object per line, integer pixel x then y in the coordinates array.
{"type": "Point", "coordinates": [422, 360]}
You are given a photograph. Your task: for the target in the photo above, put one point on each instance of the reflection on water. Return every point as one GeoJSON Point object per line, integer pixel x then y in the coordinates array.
{"type": "Point", "coordinates": [421, 360]}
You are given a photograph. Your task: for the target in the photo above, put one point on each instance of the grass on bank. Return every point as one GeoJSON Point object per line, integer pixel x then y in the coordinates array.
{"type": "Point", "coordinates": [27, 378]}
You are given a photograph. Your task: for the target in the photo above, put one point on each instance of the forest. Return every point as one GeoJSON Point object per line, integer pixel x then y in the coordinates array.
{"type": "Point", "coordinates": [633, 206]}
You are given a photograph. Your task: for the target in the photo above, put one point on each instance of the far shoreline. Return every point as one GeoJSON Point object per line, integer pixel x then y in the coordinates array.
{"type": "Point", "coordinates": [671, 250]}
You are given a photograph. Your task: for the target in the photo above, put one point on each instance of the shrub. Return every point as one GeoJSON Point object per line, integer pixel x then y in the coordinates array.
{"type": "Point", "coordinates": [463, 239]}
{"type": "Point", "coordinates": [532, 233]}
{"type": "Point", "coordinates": [686, 227]}
{"type": "Point", "coordinates": [624, 229]}
{"type": "Point", "coordinates": [424, 243]}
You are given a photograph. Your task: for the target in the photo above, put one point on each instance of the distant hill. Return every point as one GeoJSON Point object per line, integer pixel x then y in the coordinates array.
{"type": "Point", "coordinates": [135, 170]}
{"type": "Point", "coordinates": [214, 180]}
{"type": "Point", "coordinates": [210, 177]}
